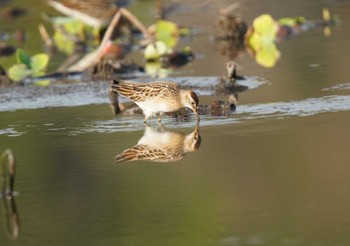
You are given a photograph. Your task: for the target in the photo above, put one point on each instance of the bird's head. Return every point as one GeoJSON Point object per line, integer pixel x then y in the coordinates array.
{"type": "Point", "coordinates": [190, 100]}
{"type": "Point", "coordinates": [192, 141]}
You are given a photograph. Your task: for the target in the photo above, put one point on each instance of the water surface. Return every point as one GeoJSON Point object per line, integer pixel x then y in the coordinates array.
{"type": "Point", "coordinates": [274, 172]}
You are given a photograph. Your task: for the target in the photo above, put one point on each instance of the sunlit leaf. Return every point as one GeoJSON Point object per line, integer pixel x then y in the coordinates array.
{"type": "Point", "coordinates": [18, 72]}
{"type": "Point", "coordinates": [154, 50]}
{"type": "Point", "coordinates": [167, 32]}
{"type": "Point", "coordinates": [39, 62]}
{"type": "Point", "coordinates": [287, 21]}
{"type": "Point", "coordinates": [63, 43]}
{"type": "Point", "coordinates": [44, 82]}
{"type": "Point", "coordinates": [22, 57]}
{"type": "Point", "coordinates": [184, 31]}
{"type": "Point", "coordinates": [266, 26]}
{"type": "Point", "coordinates": [291, 22]}
{"type": "Point", "coordinates": [255, 41]}
{"type": "Point", "coordinates": [74, 27]}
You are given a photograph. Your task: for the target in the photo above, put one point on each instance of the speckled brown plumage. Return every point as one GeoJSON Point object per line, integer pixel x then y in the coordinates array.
{"type": "Point", "coordinates": [157, 97]}
{"type": "Point", "coordinates": [163, 146]}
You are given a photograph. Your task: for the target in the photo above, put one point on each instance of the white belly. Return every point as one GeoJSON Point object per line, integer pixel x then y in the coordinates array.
{"type": "Point", "coordinates": [157, 106]}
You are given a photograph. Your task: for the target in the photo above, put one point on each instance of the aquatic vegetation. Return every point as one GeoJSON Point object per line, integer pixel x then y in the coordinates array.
{"type": "Point", "coordinates": [28, 65]}
{"type": "Point", "coordinates": [262, 40]}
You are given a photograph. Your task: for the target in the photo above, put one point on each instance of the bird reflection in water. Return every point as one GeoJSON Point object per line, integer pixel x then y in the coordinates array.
{"type": "Point", "coordinates": [161, 145]}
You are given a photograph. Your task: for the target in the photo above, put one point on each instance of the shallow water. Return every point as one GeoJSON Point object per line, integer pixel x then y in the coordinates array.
{"type": "Point", "coordinates": [274, 172]}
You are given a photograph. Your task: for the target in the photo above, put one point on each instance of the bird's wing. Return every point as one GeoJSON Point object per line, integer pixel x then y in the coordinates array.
{"type": "Point", "coordinates": [140, 92]}
{"type": "Point", "coordinates": [147, 153]}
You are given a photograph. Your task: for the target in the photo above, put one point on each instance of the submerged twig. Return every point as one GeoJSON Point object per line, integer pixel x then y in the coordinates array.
{"type": "Point", "coordinates": [8, 168]}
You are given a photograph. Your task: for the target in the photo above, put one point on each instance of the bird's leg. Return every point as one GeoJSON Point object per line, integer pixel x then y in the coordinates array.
{"type": "Point", "coordinates": [160, 118]}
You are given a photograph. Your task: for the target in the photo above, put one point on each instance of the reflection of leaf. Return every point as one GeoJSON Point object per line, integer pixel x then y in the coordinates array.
{"type": "Point", "coordinates": [326, 15]}
{"type": "Point", "coordinates": [154, 69]}
{"type": "Point", "coordinates": [167, 32]}
{"type": "Point", "coordinates": [18, 72]}
{"type": "Point", "coordinates": [39, 63]}
{"type": "Point", "coordinates": [268, 55]}
{"type": "Point", "coordinates": [22, 57]}
{"type": "Point", "coordinates": [44, 82]}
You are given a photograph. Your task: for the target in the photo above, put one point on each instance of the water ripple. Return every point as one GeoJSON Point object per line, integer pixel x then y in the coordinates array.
{"type": "Point", "coordinates": [277, 110]}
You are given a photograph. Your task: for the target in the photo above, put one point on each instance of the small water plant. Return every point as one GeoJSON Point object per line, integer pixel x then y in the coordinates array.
{"type": "Point", "coordinates": [28, 65]}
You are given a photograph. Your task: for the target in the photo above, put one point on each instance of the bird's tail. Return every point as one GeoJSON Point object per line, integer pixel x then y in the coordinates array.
{"type": "Point", "coordinates": [127, 155]}
{"type": "Point", "coordinates": [123, 87]}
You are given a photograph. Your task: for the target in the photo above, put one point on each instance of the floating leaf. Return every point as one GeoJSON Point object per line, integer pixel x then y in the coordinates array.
{"type": "Point", "coordinates": [22, 57]}
{"type": "Point", "coordinates": [39, 63]}
{"type": "Point", "coordinates": [265, 26]}
{"type": "Point", "coordinates": [291, 22]}
{"type": "Point", "coordinates": [287, 21]}
{"type": "Point", "coordinates": [167, 32]}
{"type": "Point", "coordinates": [18, 72]}
{"type": "Point", "coordinates": [154, 50]}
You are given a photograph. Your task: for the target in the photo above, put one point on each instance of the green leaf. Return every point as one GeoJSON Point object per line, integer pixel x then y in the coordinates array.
{"type": "Point", "coordinates": [287, 21]}
{"type": "Point", "coordinates": [22, 57]}
{"type": "Point", "coordinates": [19, 72]}
{"type": "Point", "coordinates": [39, 63]}
{"type": "Point", "coordinates": [63, 43]}
{"type": "Point", "coordinates": [167, 32]}
{"type": "Point", "coordinates": [264, 32]}
{"type": "Point", "coordinates": [291, 22]}
{"type": "Point", "coordinates": [154, 50]}
{"type": "Point", "coordinates": [265, 26]}
{"type": "Point", "coordinates": [74, 27]}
